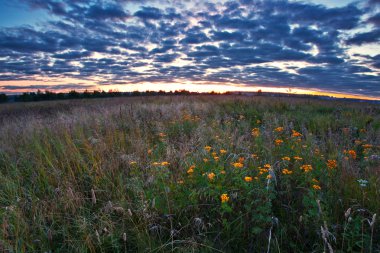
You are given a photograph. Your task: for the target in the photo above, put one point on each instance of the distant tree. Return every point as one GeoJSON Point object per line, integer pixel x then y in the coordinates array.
{"type": "Point", "coordinates": [3, 98]}
{"type": "Point", "coordinates": [259, 92]}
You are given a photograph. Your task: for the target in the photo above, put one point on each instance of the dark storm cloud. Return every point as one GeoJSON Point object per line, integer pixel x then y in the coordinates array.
{"type": "Point", "coordinates": [149, 13]}
{"type": "Point", "coordinates": [367, 37]}
{"type": "Point", "coordinates": [47, 87]}
{"type": "Point", "coordinates": [238, 40]}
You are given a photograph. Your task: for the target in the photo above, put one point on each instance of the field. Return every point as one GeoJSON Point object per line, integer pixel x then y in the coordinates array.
{"type": "Point", "coordinates": [190, 174]}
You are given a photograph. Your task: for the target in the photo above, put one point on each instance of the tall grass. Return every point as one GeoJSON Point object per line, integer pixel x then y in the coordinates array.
{"type": "Point", "coordinates": [203, 174]}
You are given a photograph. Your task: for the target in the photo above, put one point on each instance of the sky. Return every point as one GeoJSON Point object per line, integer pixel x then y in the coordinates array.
{"type": "Point", "coordinates": [313, 47]}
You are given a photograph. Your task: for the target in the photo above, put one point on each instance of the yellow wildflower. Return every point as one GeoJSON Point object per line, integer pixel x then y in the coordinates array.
{"type": "Point", "coordinates": [316, 187]}
{"type": "Point", "coordinates": [248, 179]}
{"type": "Point", "coordinates": [223, 151]}
{"type": "Point", "coordinates": [205, 160]}
{"type": "Point", "coordinates": [269, 176]}
{"type": "Point", "coordinates": [165, 163]}
{"type": "Point", "coordinates": [297, 158]}
{"type": "Point", "coordinates": [287, 172]}
{"type": "Point", "coordinates": [224, 197]}
{"type": "Point", "coordinates": [238, 165]}
{"type": "Point", "coordinates": [211, 176]}
{"type": "Point", "coordinates": [306, 168]}
{"type": "Point", "coordinates": [286, 158]}
{"type": "Point", "coordinates": [207, 148]}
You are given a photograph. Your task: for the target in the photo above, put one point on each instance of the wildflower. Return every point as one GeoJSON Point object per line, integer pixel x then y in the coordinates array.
{"type": "Point", "coordinates": [278, 142]}
{"type": "Point", "coordinates": [254, 156]}
{"type": "Point", "coordinates": [256, 178]}
{"type": "Point", "coordinates": [165, 163]}
{"type": "Point", "coordinates": [241, 159]}
{"type": "Point", "coordinates": [269, 176]}
{"type": "Point", "coordinates": [156, 163]}
{"type": "Point", "coordinates": [216, 158]}
{"type": "Point", "coordinates": [205, 160]}
{"type": "Point", "coordinates": [366, 146]}
{"type": "Point", "coordinates": [296, 134]}
{"type": "Point", "coordinates": [238, 165]}
{"type": "Point", "coordinates": [316, 187]}
{"type": "Point", "coordinates": [214, 154]}
{"type": "Point", "coordinates": [223, 172]}
{"type": "Point", "coordinates": [279, 129]}
{"type": "Point", "coordinates": [162, 135]}
{"type": "Point", "coordinates": [297, 158]}
{"type": "Point", "coordinates": [287, 172]}
{"type": "Point", "coordinates": [315, 181]}
{"type": "Point", "coordinates": [331, 164]}
{"type": "Point", "coordinates": [248, 179]}
{"type": "Point", "coordinates": [133, 163]}
{"type": "Point", "coordinates": [306, 168]}
{"type": "Point", "coordinates": [150, 151]}
{"type": "Point", "coordinates": [207, 148]}
{"type": "Point", "coordinates": [223, 151]}
{"type": "Point", "coordinates": [286, 158]}
{"type": "Point", "coordinates": [211, 176]}
{"type": "Point", "coordinates": [255, 132]}
{"type": "Point", "coordinates": [352, 153]}
{"type": "Point", "coordinates": [191, 170]}
{"type": "Point", "coordinates": [267, 166]}
{"type": "Point", "coordinates": [224, 197]}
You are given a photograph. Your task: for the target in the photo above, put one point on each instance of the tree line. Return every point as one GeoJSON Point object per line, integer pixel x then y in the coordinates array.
{"type": "Point", "coordinates": [49, 95]}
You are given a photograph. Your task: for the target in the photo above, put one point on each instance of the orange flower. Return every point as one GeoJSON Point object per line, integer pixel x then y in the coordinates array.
{"type": "Point", "coordinates": [207, 148]}
{"type": "Point", "coordinates": [238, 165]}
{"type": "Point", "coordinates": [297, 158]}
{"type": "Point", "coordinates": [331, 164]}
{"type": "Point", "coordinates": [286, 158]}
{"type": "Point", "coordinates": [279, 129]}
{"type": "Point", "coordinates": [224, 197]}
{"type": "Point", "coordinates": [216, 158]}
{"type": "Point", "coordinates": [306, 168]}
{"type": "Point", "coordinates": [287, 172]}
{"type": "Point", "coordinates": [278, 142]}
{"type": "Point", "coordinates": [267, 166]}
{"type": "Point", "coordinates": [205, 160]}
{"type": "Point", "coordinates": [223, 151]}
{"type": "Point", "coordinates": [255, 132]}
{"type": "Point", "coordinates": [248, 179]}
{"type": "Point", "coordinates": [191, 170]}
{"type": "Point", "coordinates": [352, 153]}
{"type": "Point", "coordinates": [211, 176]}
{"type": "Point", "coordinates": [316, 187]}
{"type": "Point", "coordinates": [165, 163]}
{"type": "Point", "coordinates": [296, 134]}
{"type": "Point", "coordinates": [269, 176]}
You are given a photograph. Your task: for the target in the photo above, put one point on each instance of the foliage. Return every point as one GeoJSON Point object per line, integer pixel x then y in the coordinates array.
{"type": "Point", "coordinates": [205, 174]}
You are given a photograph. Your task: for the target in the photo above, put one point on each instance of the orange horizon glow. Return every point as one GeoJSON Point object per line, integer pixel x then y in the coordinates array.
{"type": "Point", "coordinates": [200, 87]}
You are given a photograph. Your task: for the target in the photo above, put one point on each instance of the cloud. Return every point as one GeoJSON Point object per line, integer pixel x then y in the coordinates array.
{"type": "Point", "coordinates": [238, 41]}
{"type": "Point", "coordinates": [364, 38]}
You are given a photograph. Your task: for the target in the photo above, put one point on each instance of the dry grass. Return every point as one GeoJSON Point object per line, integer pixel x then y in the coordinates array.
{"type": "Point", "coordinates": [112, 175]}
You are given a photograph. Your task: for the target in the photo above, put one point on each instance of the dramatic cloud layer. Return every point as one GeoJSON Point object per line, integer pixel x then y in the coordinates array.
{"type": "Point", "coordinates": [274, 43]}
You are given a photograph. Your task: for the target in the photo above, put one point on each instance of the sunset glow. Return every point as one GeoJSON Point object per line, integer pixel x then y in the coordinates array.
{"type": "Point", "coordinates": [316, 47]}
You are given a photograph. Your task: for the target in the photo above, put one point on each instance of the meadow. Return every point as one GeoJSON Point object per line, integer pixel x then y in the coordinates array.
{"type": "Point", "coordinates": [190, 174]}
